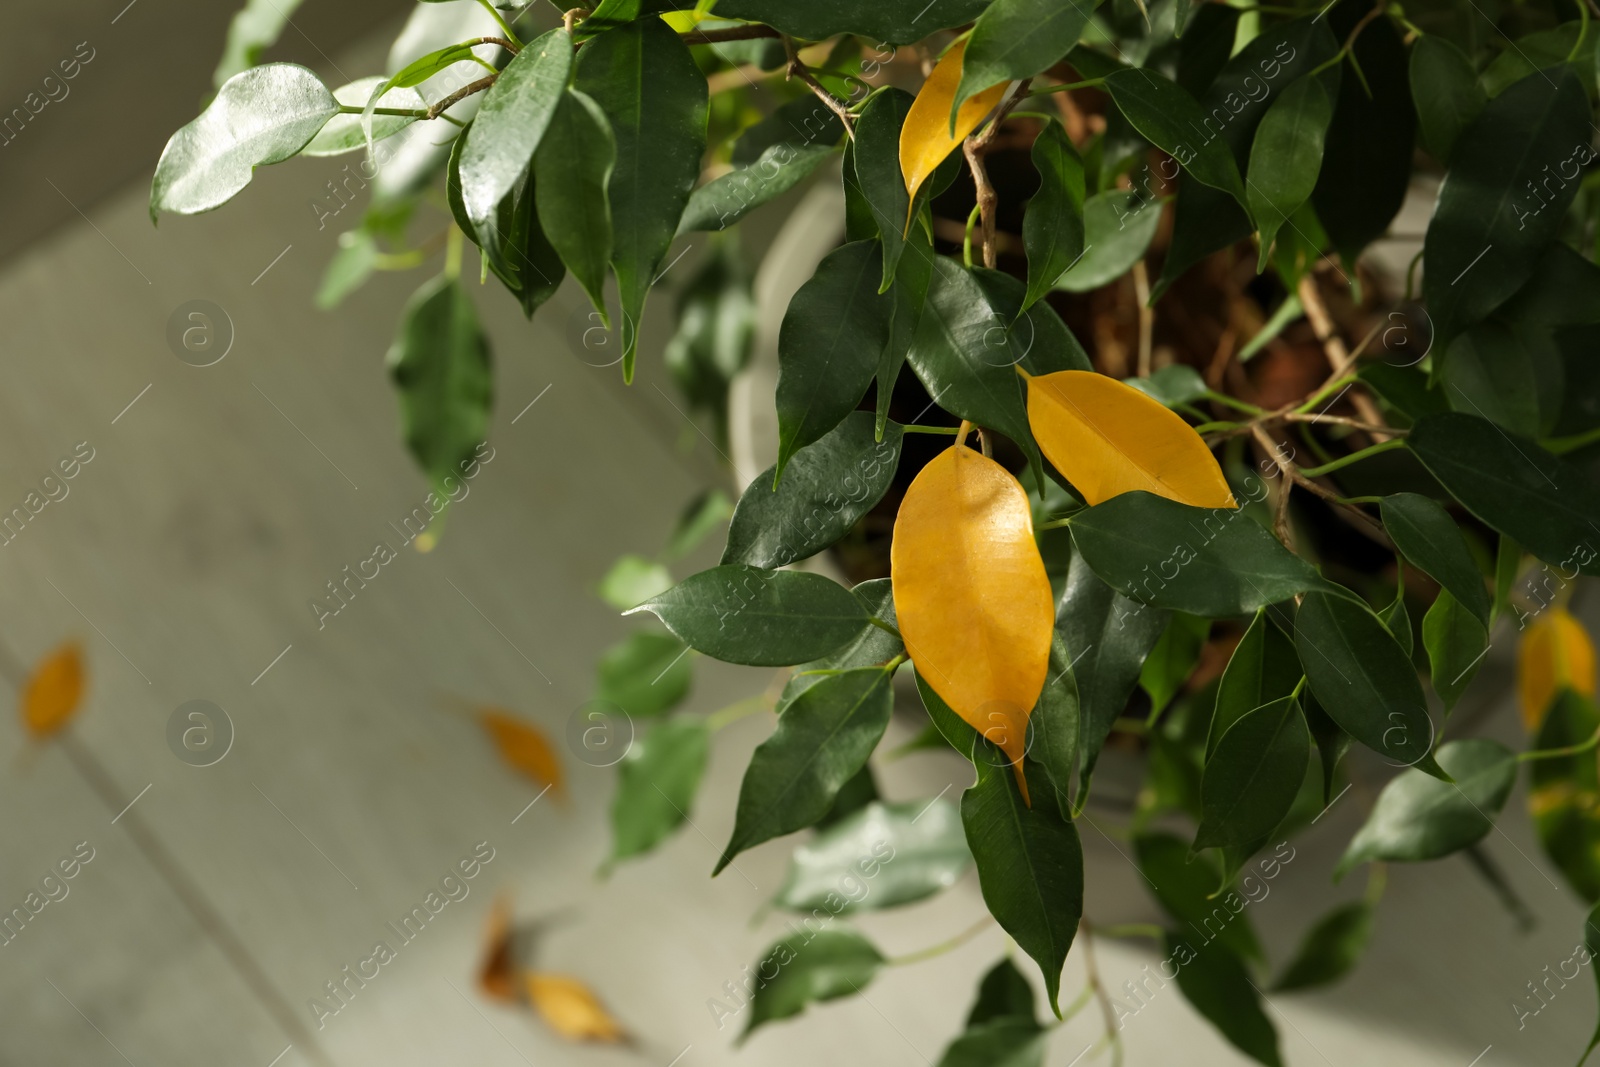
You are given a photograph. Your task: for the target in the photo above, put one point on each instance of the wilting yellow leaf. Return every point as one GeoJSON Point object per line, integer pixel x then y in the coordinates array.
{"type": "Point", "coordinates": [497, 977]}
{"type": "Point", "coordinates": [525, 747]}
{"type": "Point", "coordinates": [571, 1009]}
{"type": "Point", "coordinates": [53, 691]}
{"type": "Point", "coordinates": [925, 139]}
{"type": "Point", "coordinates": [1555, 654]}
{"type": "Point", "coordinates": [971, 594]}
{"type": "Point", "coordinates": [1109, 438]}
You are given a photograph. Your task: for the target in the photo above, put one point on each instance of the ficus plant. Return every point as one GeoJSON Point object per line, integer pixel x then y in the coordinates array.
{"type": "Point", "coordinates": [1198, 524]}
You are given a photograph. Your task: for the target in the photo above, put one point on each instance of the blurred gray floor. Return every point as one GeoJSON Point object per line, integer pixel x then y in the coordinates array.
{"type": "Point", "coordinates": [221, 499]}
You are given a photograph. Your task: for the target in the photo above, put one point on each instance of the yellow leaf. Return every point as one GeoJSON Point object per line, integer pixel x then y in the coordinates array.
{"type": "Point", "coordinates": [53, 691]}
{"type": "Point", "coordinates": [971, 594]}
{"type": "Point", "coordinates": [1555, 654]}
{"type": "Point", "coordinates": [525, 747]}
{"type": "Point", "coordinates": [1109, 438]}
{"type": "Point", "coordinates": [497, 974]}
{"type": "Point", "coordinates": [926, 138]}
{"type": "Point", "coordinates": [571, 1009]}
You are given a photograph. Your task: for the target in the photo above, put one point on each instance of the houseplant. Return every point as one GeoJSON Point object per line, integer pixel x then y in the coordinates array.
{"type": "Point", "coordinates": [1211, 561]}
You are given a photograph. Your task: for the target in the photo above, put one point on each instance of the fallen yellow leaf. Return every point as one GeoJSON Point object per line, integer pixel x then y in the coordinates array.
{"type": "Point", "coordinates": [525, 747]}
{"type": "Point", "coordinates": [971, 594]}
{"type": "Point", "coordinates": [1555, 654]}
{"type": "Point", "coordinates": [571, 1009]}
{"type": "Point", "coordinates": [53, 690]}
{"type": "Point", "coordinates": [926, 137]}
{"type": "Point", "coordinates": [497, 975]}
{"type": "Point", "coordinates": [1108, 438]}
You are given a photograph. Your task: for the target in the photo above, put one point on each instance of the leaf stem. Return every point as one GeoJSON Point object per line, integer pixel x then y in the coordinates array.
{"type": "Point", "coordinates": [488, 5]}
{"type": "Point", "coordinates": [885, 627]}
{"type": "Point", "coordinates": [734, 712]}
{"type": "Point", "coordinates": [966, 241]}
{"type": "Point", "coordinates": [1583, 30]}
{"type": "Point", "coordinates": [402, 112]}
{"type": "Point", "coordinates": [1354, 457]}
{"type": "Point", "coordinates": [952, 430]}
{"type": "Point", "coordinates": [1238, 405]}
{"type": "Point", "coordinates": [942, 947]}
{"type": "Point", "coordinates": [1054, 524]}
{"type": "Point", "coordinates": [1089, 84]}
{"type": "Point", "coordinates": [797, 69]}
{"type": "Point", "coordinates": [1123, 930]}
{"type": "Point", "coordinates": [452, 253]}
{"type": "Point", "coordinates": [1556, 753]}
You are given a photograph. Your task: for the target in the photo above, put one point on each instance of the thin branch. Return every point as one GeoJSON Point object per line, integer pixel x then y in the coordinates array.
{"type": "Point", "coordinates": [501, 41]}
{"type": "Point", "coordinates": [461, 94]}
{"type": "Point", "coordinates": [797, 69]}
{"type": "Point", "coordinates": [973, 148]}
{"type": "Point", "coordinates": [732, 33]}
{"type": "Point", "coordinates": [1147, 317]}
{"type": "Point", "coordinates": [1339, 420]}
{"type": "Point", "coordinates": [1339, 356]}
{"type": "Point", "coordinates": [1280, 511]}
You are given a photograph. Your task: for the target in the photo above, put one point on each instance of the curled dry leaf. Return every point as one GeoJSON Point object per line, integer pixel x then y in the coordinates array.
{"type": "Point", "coordinates": [926, 137]}
{"type": "Point", "coordinates": [971, 594]}
{"type": "Point", "coordinates": [1108, 438]}
{"type": "Point", "coordinates": [525, 747]}
{"type": "Point", "coordinates": [571, 1009]}
{"type": "Point", "coordinates": [497, 977]}
{"type": "Point", "coordinates": [53, 691]}
{"type": "Point", "coordinates": [1555, 654]}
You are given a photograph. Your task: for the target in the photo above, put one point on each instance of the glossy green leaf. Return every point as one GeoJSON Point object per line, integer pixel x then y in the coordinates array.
{"type": "Point", "coordinates": [756, 617]}
{"type": "Point", "coordinates": [572, 166]}
{"type": "Point", "coordinates": [1543, 502]}
{"type": "Point", "coordinates": [1016, 39]}
{"type": "Point", "coordinates": [1568, 43]}
{"type": "Point", "coordinates": [876, 178]}
{"type": "Point", "coordinates": [887, 21]}
{"type": "Point", "coordinates": [1006, 1042]}
{"type": "Point", "coordinates": [1171, 119]}
{"type": "Point", "coordinates": [1184, 886]}
{"type": "Point", "coordinates": [632, 580]}
{"type": "Point", "coordinates": [349, 269]}
{"type": "Point", "coordinates": [769, 159]}
{"type": "Point", "coordinates": [645, 674]}
{"type": "Point", "coordinates": [1331, 949]}
{"type": "Point", "coordinates": [1262, 669]}
{"type": "Point", "coordinates": [828, 347]}
{"type": "Point", "coordinates": [870, 645]}
{"type": "Point", "coordinates": [908, 297]}
{"type": "Point", "coordinates": [255, 27]}
{"type": "Point", "coordinates": [1252, 777]}
{"type": "Point", "coordinates": [515, 247]}
{"type": "Point", "coordinates": [856, 793]}
{"type": "Point", "coordinates": [952, 727]}
{"type": "Point", "coordinates": [1118, 226]}
{"type": "Point", "coordinates": [823, 738]}
{"type": "Point", "coordinates": [1456, 641]}
{"type": "Point", "coordinates": [1286, 156]}
{"type": "Point", "coordinates": [716, 333]}
{"type": "Point", "coordinates": [511, 121]}
{"type": "Point", "coordinates": [439, 363]}
{"type": "Point", "coordinates": [1030, 867]}
{"type": "Point", "coordinates": [656, 784]}
{"type": "Point", "coordinates": [1363, 679]}
{"type": "Point", "coordinates": [1053, 225]}
{"type": "Point", "coordinates": [1055, 725]}
{"type": "Point", "coordinates": [1430, 539]}
{"type": "Point", "coordinates": [1174, 384]}
{"type": "Point", "coordinates": [1036, 336]}
{"type": "Point", "coordinates": [882, 856]}
{"type": "Point", "coordinates": [647, 83]}
{"type": "Point", "coordinates": [704, 513]}
{"type": "Point", "coordinates": [1419, 817]}
{"type": "Point", "coordinates": [1332, 743]}
{"type": "Point", "coordinates": [1397, 620]}
{"type": "Point", "coordinates": [1216, 982]}
{"type": "Point", "coordinates": [1564, 793]}
{"type": "Point", "coordinates": [261, 116]}
{"type": "Point", "coordinates": [1445, 89]}
{"type": "Point", "coordinates": [1489, 229]}
{"type": "Point", "coordinates": [813, 965]}
{"type": "Point", "coordinates": [343, 132]}
{"type": "Point", "coordinates": [1003, 993]}
{"type": "Point", "coordinates": [1208, 34]}
{"type": "Point", "coordinates": [1108, 637]}
{"type": "Point", "coordinates": [1212, 562]}
{"type": "Point", "coordinates": [1173, 659]}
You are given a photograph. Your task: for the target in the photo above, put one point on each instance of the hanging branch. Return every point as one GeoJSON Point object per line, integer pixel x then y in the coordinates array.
{"type": "Point", "coordinates": [797, 69]}
{"type": "Point", "coordinates": [973, 148]}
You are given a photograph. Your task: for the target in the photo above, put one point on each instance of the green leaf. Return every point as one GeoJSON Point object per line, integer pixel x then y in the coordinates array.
{"type": "Point", "coordinates": [632, 580]}
{"type": "Point", "coordinates": [1221, 561]}
{"type": "Point", "coordinates": [261, 116]}
{"type": "Point", "coordinates": [1564, 793]}
{"type": "Point", "coordinates": [511, 121]}
{"type": "Point", "coordinates": [1262, 669]}
{"type": "Point", "coordinates": [343, 132]}
{"type": "Point", "coordinates": [1184, 889]}
{"type": "Point", "coordinates": [1000, 1043]}
{"type": "Point", "coordinates": [1252, 778]}
{"type": "Point", "coordinates": [1108, 637]}
{"type": "Point", "coordinates": [908, 298]}
{"type": "Point", "coordinates": [1004, 993]}
{"type": "Point", "coordinates": [1541, 51]}
{"type": "Point", "coordinates": [881, 856]}
{"type": "Point", "coordinates": [828, 486]}
{"type": "Point", "coordinates": [645, 80]}
{"type": "Point", "coordinates": [770, 158]}
{"type": "Point", "coordinates": [1456, 641]}
{"type": "Point", "coordinates": [1170, 118]}
{"type": "Point", "coordinates": [1398, 621]}
{"type": "Point", "coordinates": [715, 336]}
{"type": "Point", "coordinates": [810, 966]}
{"type": "Point", "coordinates": [854, 795]}
{"type": "Point", "coordinates": [1118, 226]}
{"type": "Point", "coordinates": [876, 178]}
{"type": "Point", "coordinates": [1591, 941]}
{"type": "Point", "coordinates": [1488, 230]}
{"type": "Point", "coordinates": [515, 248]}
{"type": "Point", "coordinates": [656, 785]}
{"type": "Point", "coordinates": [1332, 743]}
{"type": "Point", "coordinates": [349, 269]}
{"type": "Point", "coordinates": [1208, 32]}
{"type": "Point", "coordinates": [1419, 817]}
{"type": "Point", "coordinates": [1030, 868]}
{"type": "Point", "coordinates": [756, 617]}
{"type": "Point", "coordinates": [1539, 500]}
{"type": "Point", "coordinates": [1406, 389]}
{"type": "Point", "coordinates": [891, 22]}
{"type": "Point", "coordinates": [1215, 981]}
{"type": "Point", "coordinates": [1428, 537]}
{"type": "Point", "coordinates": [571, 168]}
{"type": "Point", "coordinates": [645, 674]}
{"type": "Point", "coordinates": [823, 738]}
{"type": "Point", "coordinates": [1174, 384]}
{"type": "Point", "coordinates": [871, 645]}
{"type": "Point", "coordinates": [1053, 225]}
{"type": "Point", "coordinates": [1173, 659]}
{"type": "Point", "coordinates": [828, 347]}
{"type": "Point", "coordinates": [1016, 39]}
{"type": "Point", "coordinates": [1363, 679]}
{"type": "Point", "coordinates": [700, 516]}
{"type": "Point", "coordinates": [1286, 156]}
{"type": "Point", "coordinates": [1330, 950]}
{"type": "Point", "coordinates": [1054, 725]}
{"type": "Point", "coordinates": [1509, 375]}
{"type": "Point", "coordinates": [255, 27]}
{"type": "Point", "coordinates": [439, 364]}
{"type": "Point", "coordinates": [1446, 91]}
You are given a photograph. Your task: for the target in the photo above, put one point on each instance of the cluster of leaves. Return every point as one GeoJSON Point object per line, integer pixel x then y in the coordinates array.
{"type": "Point", "coordinates": [1035, 605]}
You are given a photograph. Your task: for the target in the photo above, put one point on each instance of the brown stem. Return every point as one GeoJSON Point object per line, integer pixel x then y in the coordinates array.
{"type": "Point", "coordinates": [1147, 318]}
{"type": "Point", "coordinates": [1340, 420]}
{"type": "Point", "coordinates": [1280, 511]}
{"type": "Point", "coordinates": [1092, 972]}
{"type": "Point", "coordinates": [797, 69]}
{"type": "Point", "coordinates": [501, 41]}
{"type": "Point", "coordinates": [1339, 356]}
{"type": "Point", "coordinates": [987, 199]}
{"type": "Point", "coordinates": [732, 33]}
{"type": "Point", "coordinates": [461, 94]}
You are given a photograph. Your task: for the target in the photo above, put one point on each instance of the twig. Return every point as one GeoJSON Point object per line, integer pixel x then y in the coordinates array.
{"type": "Point", "coordinates": [1086, 935]}
{"type": "Point", "coordinates": [501, 41]}
{"type": "Point", "coordinates": [1339, 356]}
{"type": "Point", "coordinates": [1340, 420]}
{"type": "Point", "coordinates": [461, 94]}
{"type": "Point", "coordinates": [1280, 511]}
{"type": "Point", "coordinates": [797, 69]}
{"type": "Point", "coordinates": [732, 33]}
{"type": "Point", "coordinates": [1147, 318]}
{"type": "Point", "coordinates": [973, 148]}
